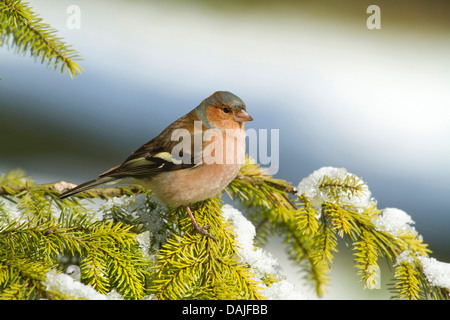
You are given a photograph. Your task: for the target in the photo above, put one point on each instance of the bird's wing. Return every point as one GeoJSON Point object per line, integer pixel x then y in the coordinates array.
{"type": "Point", "coordinates": [161, 154]}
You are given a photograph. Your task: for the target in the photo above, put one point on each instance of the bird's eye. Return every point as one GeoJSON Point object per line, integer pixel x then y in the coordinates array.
{"type": "Point", "coordinates": [226, 110]}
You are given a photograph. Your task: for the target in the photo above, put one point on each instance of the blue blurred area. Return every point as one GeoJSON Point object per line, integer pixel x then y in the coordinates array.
{"type": "Point", "coordinates": [374, 102]}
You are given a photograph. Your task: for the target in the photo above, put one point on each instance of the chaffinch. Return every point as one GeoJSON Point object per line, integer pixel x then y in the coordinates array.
{"type": "Point", "coordinates": [203, 163]}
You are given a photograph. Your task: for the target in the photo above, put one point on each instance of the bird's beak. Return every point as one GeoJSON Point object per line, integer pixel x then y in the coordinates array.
{"type": "Point", "coordinates": [242, 116]}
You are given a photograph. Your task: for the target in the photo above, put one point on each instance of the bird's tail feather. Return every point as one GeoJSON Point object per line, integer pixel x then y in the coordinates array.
{"type": "Point", "coordinates": [85, 186]}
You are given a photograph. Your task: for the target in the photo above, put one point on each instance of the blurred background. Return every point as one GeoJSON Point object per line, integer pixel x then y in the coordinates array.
{"type": "Point", "coordinates": [373, 101]}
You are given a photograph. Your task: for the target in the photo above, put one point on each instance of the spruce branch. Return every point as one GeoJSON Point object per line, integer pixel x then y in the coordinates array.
{"type": "Point", "coordinates": [366, 259]}
{"type": "Point", "coordinates": [56, 188]}
{"type": "Point", "coordinates": [407, 283]}
{"type": "Point", "coordinates": [350, 186]}
{"type": "Point", "coordinates": [178, 263]}
{"type": "Point", "coordinates": [306, 217]}
{"type": "Point", "coordinates": [194, 267]}
{"type": "Point", "coordinates": [108, 252]}
{"type": "Point", "coordinates": [277, 204]}
{"type": "Point", "coordinates": [340, 207]}
{"type": "Point", "coordinates": [22, 30]}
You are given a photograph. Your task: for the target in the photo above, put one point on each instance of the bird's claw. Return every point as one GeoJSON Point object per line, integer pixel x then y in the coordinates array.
{"type": "Point", "coordinates": [202, 230]}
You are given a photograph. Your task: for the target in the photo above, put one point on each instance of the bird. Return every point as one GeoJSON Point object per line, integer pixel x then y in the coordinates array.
{"type": "Point", "coordinates": [191, 160]}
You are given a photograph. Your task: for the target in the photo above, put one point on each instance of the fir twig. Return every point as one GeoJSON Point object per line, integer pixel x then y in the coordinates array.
{"type": "Point", "coordinates": [184, 264]}
{"type": "Point", "coordinates": [61, 186]}
{"type": "Point", "coordinates": [195, 267]}
{"type": "Point", "coordinates": [23, 30]}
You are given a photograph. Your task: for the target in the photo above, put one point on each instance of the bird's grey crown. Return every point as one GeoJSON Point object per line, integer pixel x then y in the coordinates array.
{"type": "Point", "coordinates": [221, 98]}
